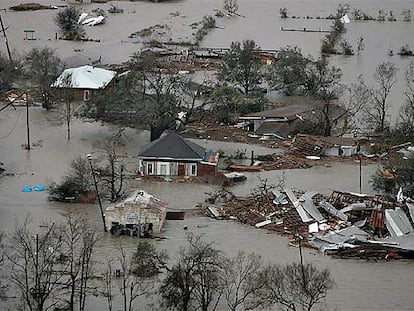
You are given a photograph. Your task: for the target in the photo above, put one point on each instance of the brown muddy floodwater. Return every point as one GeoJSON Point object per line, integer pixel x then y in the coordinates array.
{"type": "Point", "coordinates": [360, 285]}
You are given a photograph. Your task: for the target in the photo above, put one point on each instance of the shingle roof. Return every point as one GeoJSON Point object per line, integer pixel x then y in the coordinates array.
{"type": "Point", "coordinates": [85, 77]}
{"type": "Point", "coordinates": [288, 112]}
{"type": "Point", "coordinates": [173, 146]}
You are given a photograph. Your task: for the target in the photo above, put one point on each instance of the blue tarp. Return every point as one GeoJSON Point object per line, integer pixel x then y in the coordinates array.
{"type": "Point", "coordinates": [39, 188]}
{"type": "Point", "coordinates": [27, 189]}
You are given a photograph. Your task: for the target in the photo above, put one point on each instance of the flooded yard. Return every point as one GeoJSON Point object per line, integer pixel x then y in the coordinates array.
{"type": "Point", "coordinates": [360, 285]}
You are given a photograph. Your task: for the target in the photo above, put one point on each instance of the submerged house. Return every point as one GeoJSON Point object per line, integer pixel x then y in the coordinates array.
{"type": "Point", "coordinates": [83, 82]}
{"type": "Point", "coordinates": [288, 120]}
{"type": "Point", "coordinates": [172, 155]}
{"type": "Point", "coordinates": [332, 146]}
{"type": "Point", "coordinates": [141, 214]}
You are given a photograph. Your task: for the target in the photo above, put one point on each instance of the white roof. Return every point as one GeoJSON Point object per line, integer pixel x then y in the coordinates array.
{"type": "Point", "coordinates": [85, 77]}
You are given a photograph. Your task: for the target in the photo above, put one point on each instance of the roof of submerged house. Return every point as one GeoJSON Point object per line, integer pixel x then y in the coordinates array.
{"type": "Point", "coordinates": [173, 146]}
{"type": "Point", "coordinates": [288, 112]}
{"type": "Point", "coordinates": [84, 77]}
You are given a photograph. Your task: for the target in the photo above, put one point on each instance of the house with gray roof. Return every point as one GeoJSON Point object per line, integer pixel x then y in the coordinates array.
{"type": "Point", "coordinates": [288, 120]}
{"type": "Point", "coordinates": [172, 155]}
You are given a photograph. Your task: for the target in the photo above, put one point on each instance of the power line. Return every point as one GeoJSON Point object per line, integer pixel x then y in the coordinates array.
{"type": "Point", "coordinates": [13, 128]}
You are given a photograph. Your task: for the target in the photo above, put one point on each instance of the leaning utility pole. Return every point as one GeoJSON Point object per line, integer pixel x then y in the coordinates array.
{"type": "Point", "coordinates": [3, 30]}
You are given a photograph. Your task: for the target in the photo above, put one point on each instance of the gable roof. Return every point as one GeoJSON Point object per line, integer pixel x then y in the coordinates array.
{"type": "Point", "coordinates": [289, 112]}
{"type": "Point", "coordinates": [173, 146]}
{"type": "Point", "coordinates": [84, 77]}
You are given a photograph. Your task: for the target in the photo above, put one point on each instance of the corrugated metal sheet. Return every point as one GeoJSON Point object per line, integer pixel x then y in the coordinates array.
{"type": "Point", "coordinates": [411, 210]}
{"type": "Point", "coordinates": [354, 207]}
{"type": "Point", "coordinates": [397, 222]}
{"type": "Point", "coordinates": [299, 208]}
{"type": "Point", "coordinates": [310, 207]}
{"type": "Point", "coordinates": [333, 211]}
{"type": "Point", "coordinates": [378, 218]}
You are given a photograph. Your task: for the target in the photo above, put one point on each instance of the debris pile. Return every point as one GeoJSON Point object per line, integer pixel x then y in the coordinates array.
{"type": "Point", "coordinates": [344, 224]}
{"type": "Point", "coordinates": [32, 7]}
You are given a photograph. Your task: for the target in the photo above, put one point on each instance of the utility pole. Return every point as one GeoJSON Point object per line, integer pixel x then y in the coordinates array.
{"type": "Point", "coordinates": [3, 30]}
{"type": "Point", "coordinates": [360, 173]}
{"type": "Point", "coordinates": [299, 239]}
{"type": "Point", "coordinates": [89, 157]}
{"type": "Point", "coordinates": [27, 122]}
{"type": "Point", "coordinates": [37, 287]}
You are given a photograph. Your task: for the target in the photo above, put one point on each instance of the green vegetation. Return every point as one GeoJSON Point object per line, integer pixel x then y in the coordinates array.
{"type": "Point", "coordinates": [242, 66]}
{"type": "Point", "coordinates": [77, 182]}
{"type": "Point", "coordinates": [67, 21]}
{"type": "Point", "coordinates": [207, 23]}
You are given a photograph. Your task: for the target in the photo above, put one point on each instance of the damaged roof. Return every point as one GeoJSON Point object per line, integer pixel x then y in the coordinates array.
{"type": "Point", "coordinates": [84, 77]}
{"type": "Point", "coordinates": [290, 112]}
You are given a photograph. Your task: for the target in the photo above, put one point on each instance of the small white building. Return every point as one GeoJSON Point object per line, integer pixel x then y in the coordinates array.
{"type": "Point", "coordinates": [141, 214]}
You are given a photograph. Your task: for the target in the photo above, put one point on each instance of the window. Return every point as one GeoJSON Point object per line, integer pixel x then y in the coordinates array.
{"type": "Point", "coordinates": [149, 169]}
{"type": "Point", "coordinates": [193, 170]}
{"type": "Point", "coordinates": [86, 95]}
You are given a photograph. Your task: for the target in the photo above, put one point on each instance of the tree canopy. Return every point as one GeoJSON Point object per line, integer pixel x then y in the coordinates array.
{"type": "Point", "coordinates": [242, 66]}
{"type": "Point", "coordinates": [145, 97]}
{"type": "Point", "coordinates": [43, 66]}
{"type": "Point", "coordinates": [67, 21]}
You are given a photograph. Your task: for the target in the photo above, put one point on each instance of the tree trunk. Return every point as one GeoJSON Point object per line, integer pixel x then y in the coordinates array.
{"type": "Point", "coordinates": [156, 131]}
{"type": "Point", "coordinates": [68, 118]}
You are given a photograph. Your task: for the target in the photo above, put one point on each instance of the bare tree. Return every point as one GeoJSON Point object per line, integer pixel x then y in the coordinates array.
{"type": "Point", "coordinates": [33, 262]}
{"type": "Point", "coordinates": [295, 286]}
{"type": "Point", "coordinates": [385, 78]}
{"type": "Point", "coordinates": [136, 276]}
{"type": "Point", "coordinates": [134, 285]}
{"type": "Point", "coordinates": [65, 99]}
{"type": "Point", "coordinates": [193, 282]}
{"type": "Point", "coordinates": [241, 281]}
{"type": "Point", "coordinates": [79, 243]}
{"type": "Point", "coordinates": [113, 179]}
{"type": "Point", "coordinates": [3, 286]}
{"type": "Point", "coordinates": [108, 279]}
{"type": "Point", "coordinates": [405, 124]}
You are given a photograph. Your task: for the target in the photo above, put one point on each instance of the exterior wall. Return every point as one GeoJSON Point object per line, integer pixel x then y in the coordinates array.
{"type": "Point", "coordinates": [79, 94]}
{"type": "Point", "coordinates": [165, 168]}
{"type": "Point", "coordinates": [130, 213]}
{"type": "Point", "coordinates": [207, 170]}
{"type": "Point", "coordinates": [341, 151]}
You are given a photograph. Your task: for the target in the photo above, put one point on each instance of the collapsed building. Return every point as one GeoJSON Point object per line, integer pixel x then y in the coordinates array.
{"type": "Point", "coordinates": [344, 224]}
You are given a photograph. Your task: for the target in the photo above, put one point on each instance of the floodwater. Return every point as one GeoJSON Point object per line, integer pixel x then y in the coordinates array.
{"type": "Point", "coordinates": [360, 285]}
{"type": "Point", "coordinates": [261, 23]}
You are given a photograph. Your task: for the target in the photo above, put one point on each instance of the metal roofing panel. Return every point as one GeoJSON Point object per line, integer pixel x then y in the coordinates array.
{"type": "Point", "coordinates": [333, 211]}
{"type": "Point", "coordinates": [299, 208]}
{"type": "Point", "coordinates": [397, 222]}
{"type": "Point", "coordinates": [411, 210]}
{"type": "Point", "coordinates": [311, 209]}
{"type": "Point", "coordinates": [84, 77]}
